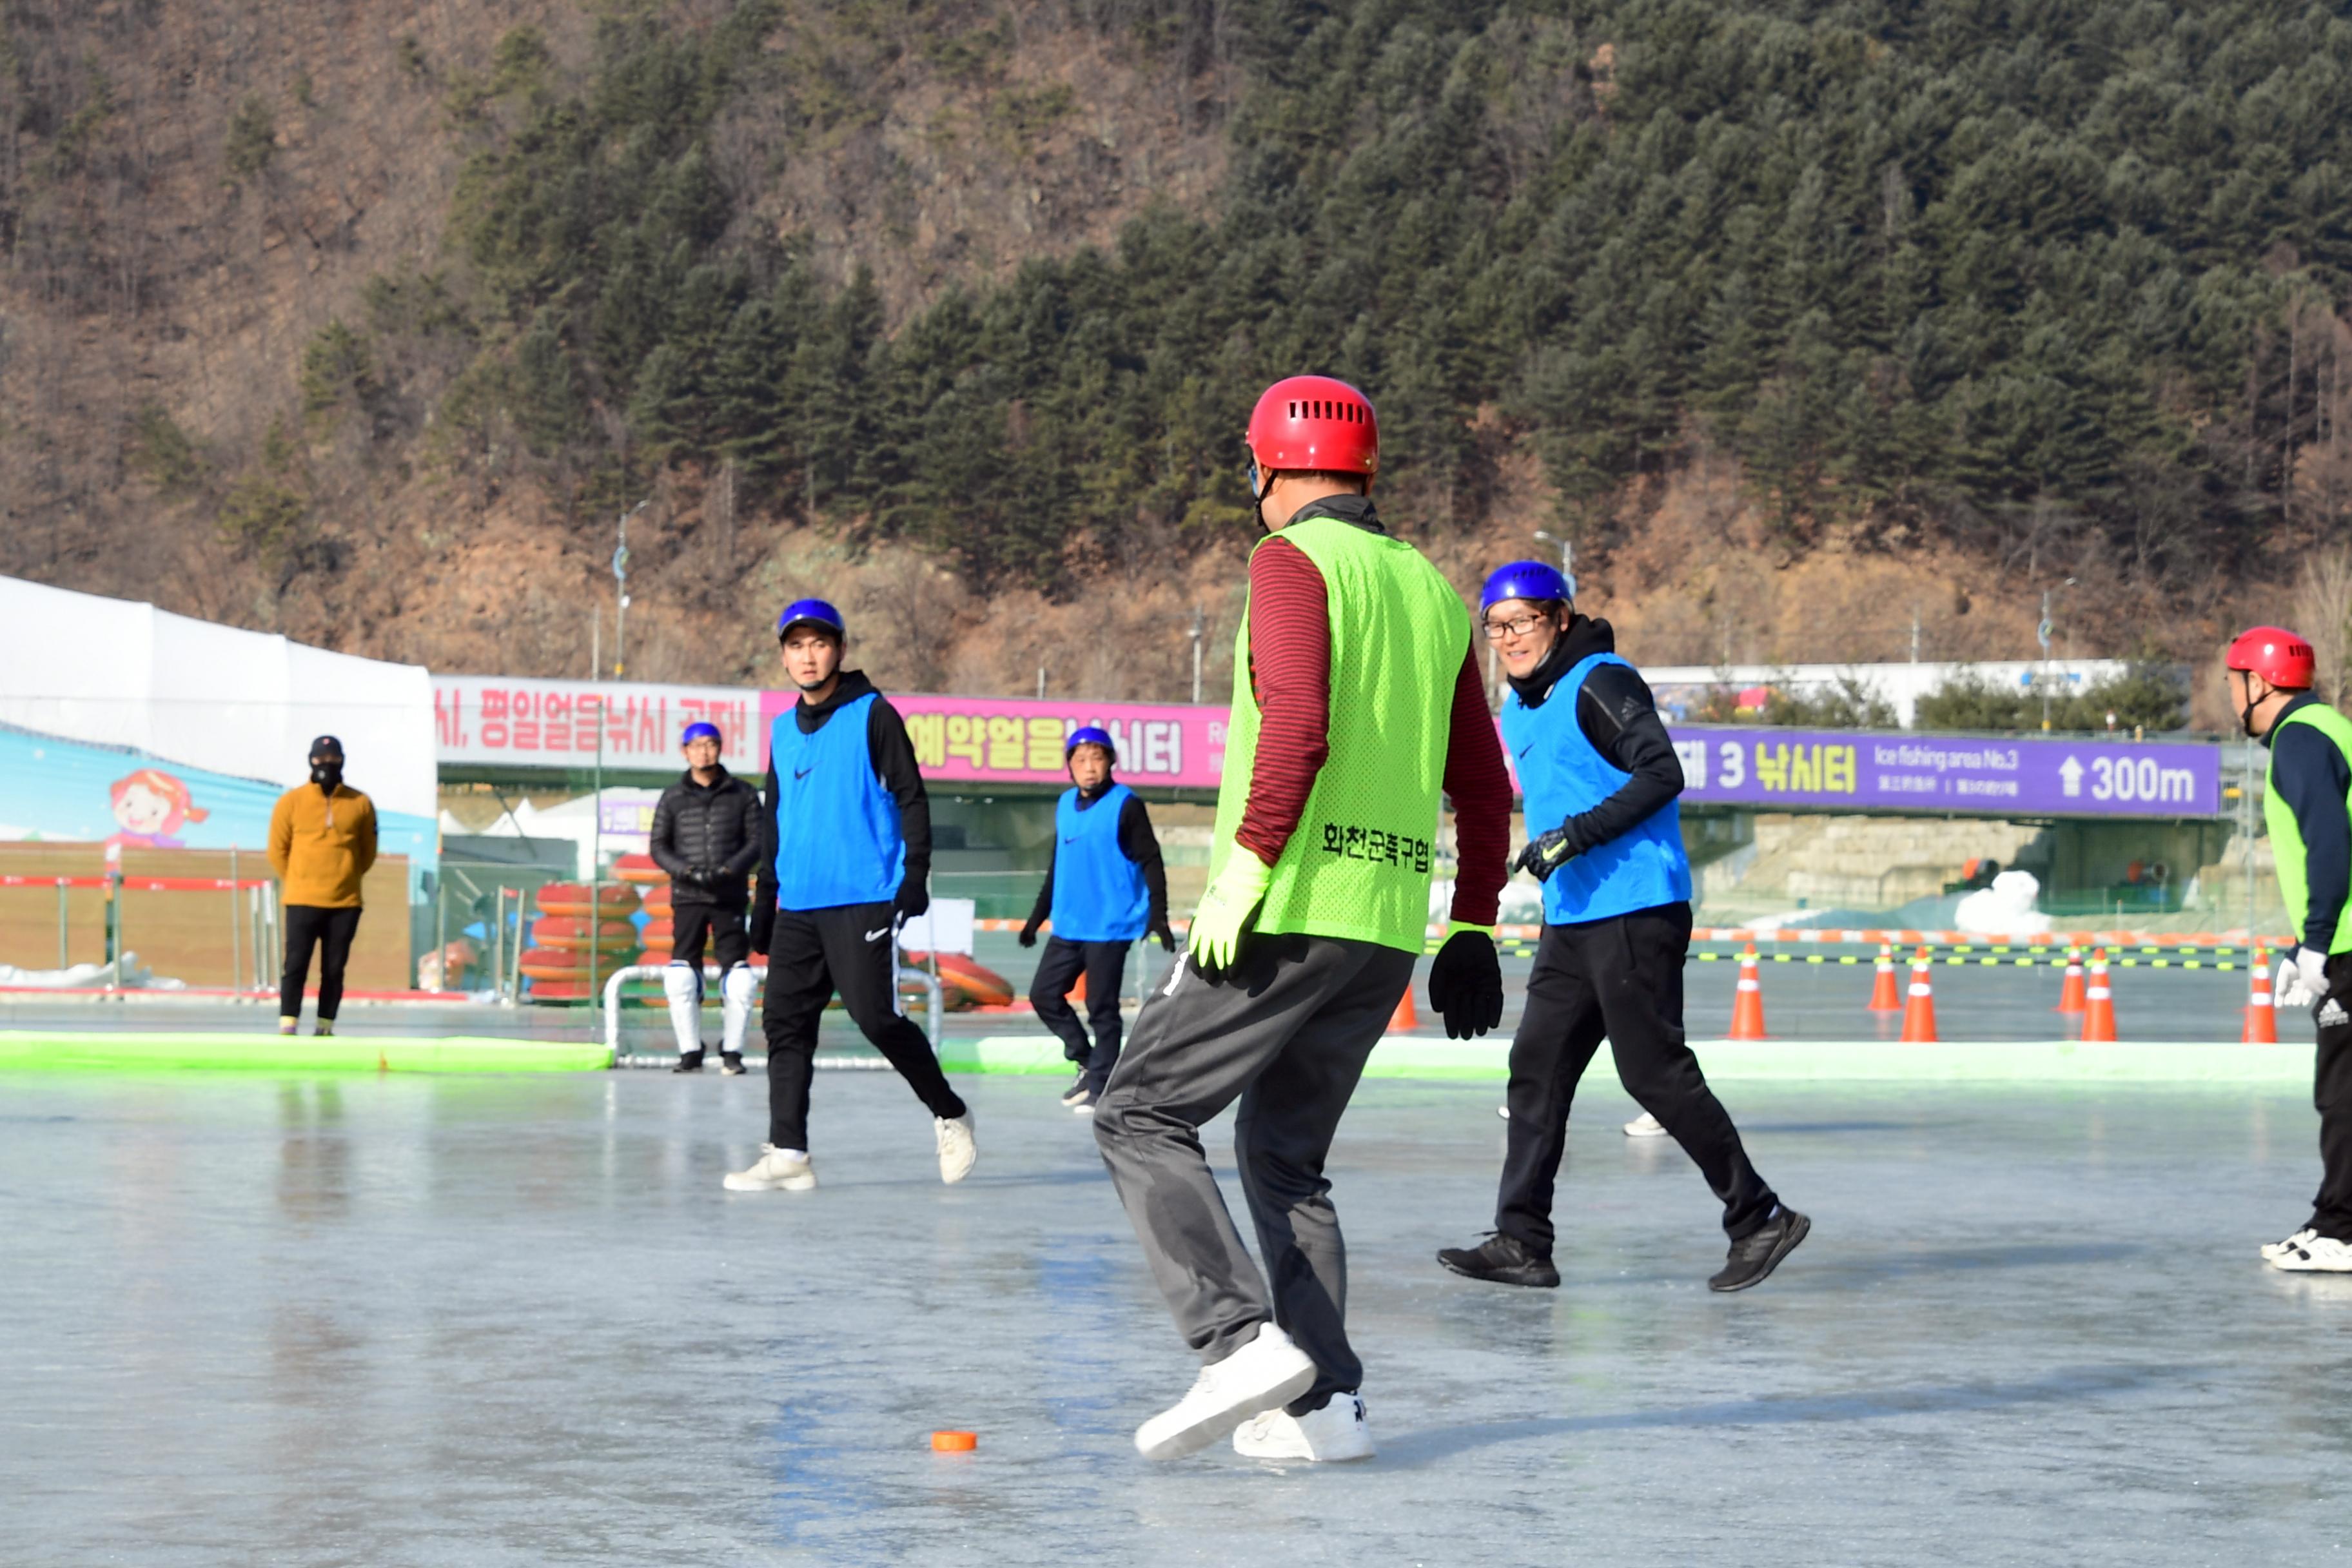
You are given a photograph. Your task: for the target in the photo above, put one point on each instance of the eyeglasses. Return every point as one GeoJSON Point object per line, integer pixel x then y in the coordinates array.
{"type": "Point", "coordinates": [1519, 627]}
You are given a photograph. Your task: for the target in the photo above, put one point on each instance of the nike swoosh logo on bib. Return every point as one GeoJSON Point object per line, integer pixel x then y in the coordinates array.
{"type": "Point", "coordinates": [802, 772]}
{"type": "Point", "coordinates": [878, 935]}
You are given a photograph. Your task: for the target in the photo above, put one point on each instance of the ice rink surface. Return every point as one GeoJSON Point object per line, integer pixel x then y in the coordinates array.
{"type": "Point", "coordinates": [420, 1321]}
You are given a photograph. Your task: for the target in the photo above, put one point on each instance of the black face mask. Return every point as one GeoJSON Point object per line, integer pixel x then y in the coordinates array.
{"type": "Point", "coordinates": [327, 775]}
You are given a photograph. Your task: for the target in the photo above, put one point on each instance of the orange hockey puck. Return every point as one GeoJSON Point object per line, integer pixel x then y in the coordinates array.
{"type": "Point", "coordinates": [954, 1442]}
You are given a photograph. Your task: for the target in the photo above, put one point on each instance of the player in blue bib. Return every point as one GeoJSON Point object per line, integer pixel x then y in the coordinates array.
{"type": "Point", "coordinates": [1104, 887]}
{"type": "Point", "coordinates": [847, 857]}
{"type": "Point", "coordinates": [1602, 780]}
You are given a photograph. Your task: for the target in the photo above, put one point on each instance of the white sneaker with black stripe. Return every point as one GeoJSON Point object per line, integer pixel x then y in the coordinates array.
{"type": "Point", "coordinates": [2273, 1250]}
{"type": "Point", "coordinates": [2319, 1255]}
{"type": "Point", "coordinates": [1644, 1126]}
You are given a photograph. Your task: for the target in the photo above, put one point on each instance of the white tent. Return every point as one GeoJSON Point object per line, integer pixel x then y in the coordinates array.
{"type": "Point", "coordinates": [246, 704]}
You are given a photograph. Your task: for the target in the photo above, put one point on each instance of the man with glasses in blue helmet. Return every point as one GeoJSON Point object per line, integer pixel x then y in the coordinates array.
{"type": "Point", "coordinates": [847, 856]}
{"type": "Point", "coordinates": [706, 835]}
{"type": "Point", "coordinates": [1601, 780]}
{"type": "Point", "coordinates": [1104, 887]}
{"type": "Point", "coordinates": [1358, 710]}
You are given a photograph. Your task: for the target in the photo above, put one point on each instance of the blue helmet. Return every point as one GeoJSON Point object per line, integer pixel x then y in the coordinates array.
{"type": "Point", "coordinates": [811, 612]}
{"type": "Point", "coordinates": [1523, 580]}
{"type": "Point", "coordinates": [1089, 735]}
{"type": "Point", "coordinates": [701, 731]}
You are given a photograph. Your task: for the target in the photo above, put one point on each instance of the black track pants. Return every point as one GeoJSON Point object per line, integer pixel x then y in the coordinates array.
{"type": "Point", "coordinates": [1287, 1032]}
{"type": "Point", "coordinates": [814, 954]}
{"type": "Point", "coordinates": [1620, 979]}
{"type": "Point", "coordinates": [1103, 963]}
{"type": "Point", "coordinates": [331, 930]}
{"type": "Point", "coordinates": [2331, 1211]}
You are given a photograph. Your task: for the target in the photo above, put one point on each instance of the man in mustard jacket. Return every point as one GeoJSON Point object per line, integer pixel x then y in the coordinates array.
{"type": "Point", "coordinates": [321, 842]}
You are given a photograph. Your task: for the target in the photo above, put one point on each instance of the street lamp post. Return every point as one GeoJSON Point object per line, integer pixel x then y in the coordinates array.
{"type": "Point", "coordinates": [621, 593]}
{"type": "Point", "coordinates": [1199, 627]}
{"type": "Point", "coordinates": [1567, 557]}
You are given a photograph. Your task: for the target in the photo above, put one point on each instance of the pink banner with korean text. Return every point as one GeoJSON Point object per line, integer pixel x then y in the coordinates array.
{"type": "Point", "coordinates": [488, 719]}
{"type": "Point", "coordinates": [996, 740]}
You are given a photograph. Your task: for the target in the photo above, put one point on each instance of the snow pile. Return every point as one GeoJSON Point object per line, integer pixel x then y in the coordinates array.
{"type": "Point", "coordinates": [127, 973]}
{"type": "Point", "coordinates": [2005, 908]}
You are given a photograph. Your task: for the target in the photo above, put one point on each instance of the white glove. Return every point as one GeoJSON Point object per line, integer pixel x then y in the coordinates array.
{"type": "Point", "coordinates": [2301, 979]}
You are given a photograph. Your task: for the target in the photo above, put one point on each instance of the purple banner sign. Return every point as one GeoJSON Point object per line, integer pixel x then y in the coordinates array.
{"type": "Point", "coordinates": [2003, 777]}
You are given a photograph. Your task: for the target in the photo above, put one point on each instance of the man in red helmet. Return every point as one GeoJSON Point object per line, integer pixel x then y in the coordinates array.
{"type": "Point", "coordinates": [2308, 807]}
{"type": "Point", "coordinates": [1357, 705]}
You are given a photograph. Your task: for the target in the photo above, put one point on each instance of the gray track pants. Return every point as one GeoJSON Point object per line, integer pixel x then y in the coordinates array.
{"type": "Point", "coordinates": [1286, 1031]}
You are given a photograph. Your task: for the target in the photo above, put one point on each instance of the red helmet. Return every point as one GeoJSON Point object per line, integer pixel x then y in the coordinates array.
{"type": "Point", "coordinates": [1315, 422]}
{"type": "Point", "coordinates": [2275, 654]}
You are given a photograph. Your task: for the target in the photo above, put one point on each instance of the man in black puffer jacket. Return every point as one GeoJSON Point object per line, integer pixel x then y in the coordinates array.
{"type": "Point", "coordinates": [707, 836]}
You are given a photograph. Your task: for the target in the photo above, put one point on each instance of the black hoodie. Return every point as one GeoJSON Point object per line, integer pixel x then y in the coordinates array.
{"type": "Point", "coordinates": [1617, 715]}
{"type": "Point", "coordinates": [893, 755]}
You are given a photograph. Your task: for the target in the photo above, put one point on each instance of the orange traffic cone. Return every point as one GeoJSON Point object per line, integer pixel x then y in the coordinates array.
{"type": "Point", "coordinates": [2262, 1015]}
{"type": "Point", "coordinates": [1079, 992]}
{"type": "Point", "coordinates": [1747, 1002]}
{"type": "Point", "coordinates": [2070, 993]}
{"type": "Point", "coordinates": [2098, 1002]}
{"type": "Point", "coordinates": [1404, 1020]}
{"type": "Point", "coordinates": [1884, 997]}
{"type": "Point", "coordinates": [1920, 1011]}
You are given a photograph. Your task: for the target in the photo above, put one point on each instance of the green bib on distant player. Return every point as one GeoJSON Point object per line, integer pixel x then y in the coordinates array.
{"type": "Point", "coordinates": [2286, 834]}
{"type": "Point", "coordinates": [1359, 863]}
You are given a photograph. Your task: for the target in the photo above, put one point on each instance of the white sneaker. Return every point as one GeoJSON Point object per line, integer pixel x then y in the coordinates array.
{"type": "Point", "coordinates": [1329, 1436]}
{"type": "Point", "coordinates": [775, 1168]}
{"type": "Point", "coordinates": [1644, 1126]}
{"type": "Point", "coordinates": [958, 1153]}
{"type": "Point", "coordinates": [1263, 1374]}
{"type": "Point", "coordinates": [2273, 1250]}
{"type": "Point", "coordinates": [2320, 1255]}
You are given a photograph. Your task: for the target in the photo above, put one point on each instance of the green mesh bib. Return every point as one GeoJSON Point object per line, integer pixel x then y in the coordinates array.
{"type": "Point", "coordinates": [2286, 834]}
{"type": "Point", "coordinates": [1359, 863]}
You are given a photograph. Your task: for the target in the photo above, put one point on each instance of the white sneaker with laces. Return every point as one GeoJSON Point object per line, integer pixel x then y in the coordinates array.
{"type": "Point", "coordinates": [2320, 1255]}
{"type": "Point", "coordinates": [1263, 1374]}
{"type": "Point", "coordinates": [958, 1153]}
{"type": "Point", "coordinates": [1644, 1126]}
{"type": "Point", "coordinates": [785, 1169]}
{"type": "Point", "coordinates": [1331, 1435]}
{"type": "Point", "coordinates": [2271, 1250]}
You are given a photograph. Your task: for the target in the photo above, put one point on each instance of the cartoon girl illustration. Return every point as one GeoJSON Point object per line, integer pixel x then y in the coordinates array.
{"type": "Point", "coordinates": [151, 804]}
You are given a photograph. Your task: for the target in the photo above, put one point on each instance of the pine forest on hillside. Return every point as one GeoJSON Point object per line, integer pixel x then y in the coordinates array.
{"type": "Point", "coordinates": [2055, 287]}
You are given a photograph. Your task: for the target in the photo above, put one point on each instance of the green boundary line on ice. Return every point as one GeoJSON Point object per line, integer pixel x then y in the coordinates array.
{"type": "Point", "coordinates": [1834, 1061]}
{"type": "Point", "coordinates": [40, 1051]}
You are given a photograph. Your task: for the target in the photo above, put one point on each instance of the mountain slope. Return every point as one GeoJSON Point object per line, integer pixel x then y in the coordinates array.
{"type": "Point", "coordinates": [1804, 320]}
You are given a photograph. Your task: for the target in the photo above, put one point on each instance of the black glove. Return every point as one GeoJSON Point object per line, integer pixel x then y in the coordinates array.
{"type": "Point", "coordinates": [1167, 936]}
{"type": "Point", "coordinates": [1029, 934]}
{"type": "Point", "coordinates": [1465, 984]}
{"type": "Point", "coordinates": [913, 898]}
{"type": "Point", "coordinates": [1544, 854]}
{"type": "Point", "coordinates": [764, 920]}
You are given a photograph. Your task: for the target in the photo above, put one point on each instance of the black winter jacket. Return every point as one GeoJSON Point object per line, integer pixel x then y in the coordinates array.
{"type": "Point", "coordinates": [715, 827]}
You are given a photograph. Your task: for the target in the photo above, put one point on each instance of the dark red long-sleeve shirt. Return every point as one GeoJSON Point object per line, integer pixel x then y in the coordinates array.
{"type": "Point", "coordinates": [1290, 672]}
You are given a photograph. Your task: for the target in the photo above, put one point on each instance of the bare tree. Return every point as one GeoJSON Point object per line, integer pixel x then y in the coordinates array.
{"type": "Point", "coordinates": [2322, 607]}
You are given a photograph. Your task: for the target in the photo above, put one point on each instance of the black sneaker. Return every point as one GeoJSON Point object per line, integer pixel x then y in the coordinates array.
{"type": "Point", "coordinates": [1505, 1260]}
{"type": "Point", "coordinates": [1077, 1092]}
{"type": "Point", "coordinates": [1756, 1254]}
{"type": "Point", "coordinates": [731, 1063]}
{"type": "Point", "coordinates": [689, 1061]}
